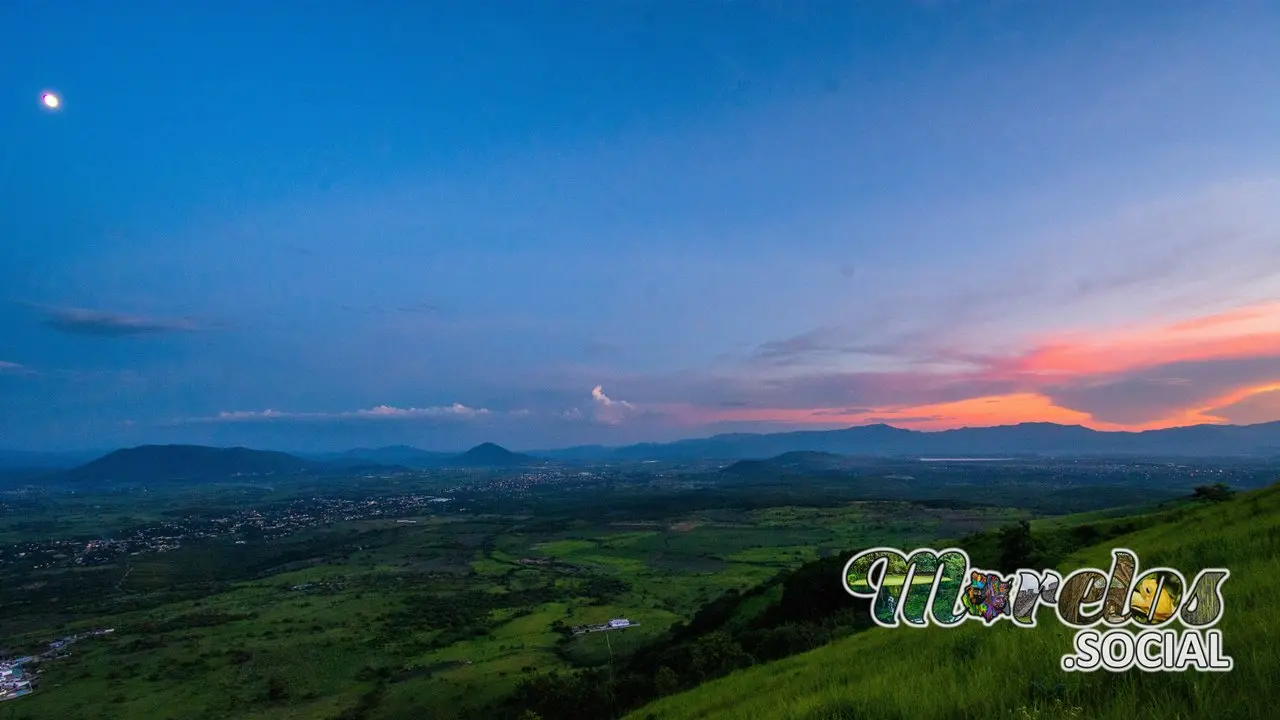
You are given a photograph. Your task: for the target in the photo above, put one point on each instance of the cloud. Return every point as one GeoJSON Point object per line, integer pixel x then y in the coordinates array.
{"type": "Point", "coordinates": [904, 419]}
{"type": "Point", "coordinates": [364, 309]}
{"type": "Point", "coordinates": [1181, 371]}
{"type": "Point", "coordinates": [608, 410]}
{"type": "Point", "coordinates": [820, 341]}
{"type": "Point", "coordinates": [830, 391]}
{"type": "Point", "coordinates": [419, 308]}
{"type": "Point", "coordinates": [379, 412]}
{"type": "Point", "coordinates": [78, 321]}
{"type": "Point", "coordinates": [1244, 332]}
{"type": "Point", "coordinates": [974, 411]}
{"type": "Point", "coordinates": [12, 368]}
{"type": "Point", "coordinates": [454, 410]}
{"type": "Point", "coordinates": [844, 411]}
{"type": "Point", "coordinates": [1258, 407]}
{"type": "Point", "coordinates": [1190, 248]}
{"type": "Point", "coordinates": [1149, 394]}
{"type": "Point", "coordinates": [1189, 252]}
{"type": "Point", "coordinates": [1226, 319]}
{"type": "Point", "coordinates": [884, 347]}
{"type": "Point", "coordinates": [827, 343]}
{"type": "Point", "coordinates": [597, 393]}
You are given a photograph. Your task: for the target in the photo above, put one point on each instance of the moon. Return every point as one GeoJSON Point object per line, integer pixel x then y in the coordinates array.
{"type": "Point", "coordinates": [50, 100]}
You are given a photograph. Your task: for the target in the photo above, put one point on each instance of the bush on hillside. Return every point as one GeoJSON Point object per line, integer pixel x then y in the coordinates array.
{"type": "Point", "coordinates": [1217, 492]}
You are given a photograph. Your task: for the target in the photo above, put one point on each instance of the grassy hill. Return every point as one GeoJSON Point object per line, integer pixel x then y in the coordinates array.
{"type": "Point", "coordinates": [1003, 671]}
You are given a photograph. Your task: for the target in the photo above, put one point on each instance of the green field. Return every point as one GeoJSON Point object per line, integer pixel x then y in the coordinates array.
{"type": "Point", "coordinates": [979, 672]}
{"type": "Point", "coordinates": [436, 617]}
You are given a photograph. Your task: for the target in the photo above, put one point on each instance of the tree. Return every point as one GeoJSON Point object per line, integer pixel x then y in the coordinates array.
{"type": "Point", "coordinates": [1217, 492]}
{"type": "Point", "coordinates": [717, 654]}
{"type": "Point", "coordinates": [665, 681]}
{"type": "Point", "coordinates": [1017, 547]}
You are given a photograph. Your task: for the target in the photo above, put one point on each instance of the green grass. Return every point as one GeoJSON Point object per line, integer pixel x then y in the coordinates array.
{"type": "Point", "coordinates": [980, 672]}
{"type": "Point", "coordinates": [896, 580]}
{"type": "Point", "coordinates": [753, 607]}
{"type": "Point", "coordinates": [564, 548]}
{"type": "Point", "coordinates": [776, 556]}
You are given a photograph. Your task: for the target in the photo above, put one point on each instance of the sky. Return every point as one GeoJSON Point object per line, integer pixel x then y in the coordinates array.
{"type": "Point", "coordinates": [321, 226]}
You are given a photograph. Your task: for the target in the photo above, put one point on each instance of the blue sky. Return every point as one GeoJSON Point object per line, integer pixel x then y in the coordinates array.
{"type": "Point", "coordinates": [308, 226]}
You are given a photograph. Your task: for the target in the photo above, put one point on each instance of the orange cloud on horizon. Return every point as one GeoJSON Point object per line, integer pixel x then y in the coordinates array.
{"type": "Point", "coordinates": [1093, 357]}
{"type": "Point", "coordinates": [1251, 331]}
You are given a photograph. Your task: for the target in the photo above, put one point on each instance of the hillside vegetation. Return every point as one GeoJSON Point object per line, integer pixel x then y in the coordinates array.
{"type": "Point", "coordinates": [1005, 671]}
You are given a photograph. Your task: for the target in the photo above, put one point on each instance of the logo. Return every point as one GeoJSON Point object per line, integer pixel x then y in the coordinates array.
{"type": "Point", "coordinates": [1122, 615]}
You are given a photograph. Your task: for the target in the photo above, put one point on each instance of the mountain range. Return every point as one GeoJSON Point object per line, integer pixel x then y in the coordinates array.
{"type": "Point", "coordinates": [403, 455]}
{"type": "Point", "coordinates": [482, 455]}
{"type": "Point", "coordinates": [1022, 439]}
{"type": "Point", "coordinates": [151, 463]}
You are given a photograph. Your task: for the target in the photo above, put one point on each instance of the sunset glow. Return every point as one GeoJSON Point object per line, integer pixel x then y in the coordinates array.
{"type": "Point", "coordinates": [1077, 359]}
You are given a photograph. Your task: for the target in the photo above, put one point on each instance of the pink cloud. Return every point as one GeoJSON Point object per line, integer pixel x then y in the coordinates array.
{"type": "Point", "coordinates": [1209, 369]}
{"type": "Point", "coordinates": [379, 412]}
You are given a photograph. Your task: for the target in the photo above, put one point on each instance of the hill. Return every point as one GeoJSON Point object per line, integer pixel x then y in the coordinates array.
{"type": "Point", "coordinates": [402, 455]}
{"type": "Point", "coordinates": [1022, 439]}
{"type": "Point", "coordinates": [806, 462]}
{"type": "Point", "coordinates": [993, 672]}
{"type": "Point", "coordinates": [172, 463]}
{"type": "Point", "coordinates": [491, 455]}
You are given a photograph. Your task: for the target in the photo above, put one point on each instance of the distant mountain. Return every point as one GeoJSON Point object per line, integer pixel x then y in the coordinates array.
{"type": "Point", "coordinates": [10, 459]}
{"type": "Point", "coordinates": [1005, 440]}
{"type": "Point", "coordinates": [806, 451]}
{"type": "Point", "coordinates": [491, 455]}
{"type": "Point", "coordinates": [173, 463]}
{"type": "Point", "coordinates": [21, 476]}
{"type": "Point", "coordinates": [577, 452]}
{"type": "Point", "coordinates": [402, 455]}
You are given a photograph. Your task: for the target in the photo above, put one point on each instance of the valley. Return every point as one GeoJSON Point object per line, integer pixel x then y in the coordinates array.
{"type": "Point", "coordinates": [456, 591]}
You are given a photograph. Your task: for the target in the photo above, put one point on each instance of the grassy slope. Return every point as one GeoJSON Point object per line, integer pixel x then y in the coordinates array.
{"type": "Point", "coordinates": [973, 671]}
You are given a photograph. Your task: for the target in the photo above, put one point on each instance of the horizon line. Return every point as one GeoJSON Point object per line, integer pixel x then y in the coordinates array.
{"type": "Point", "coordinates": [534, 451]}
